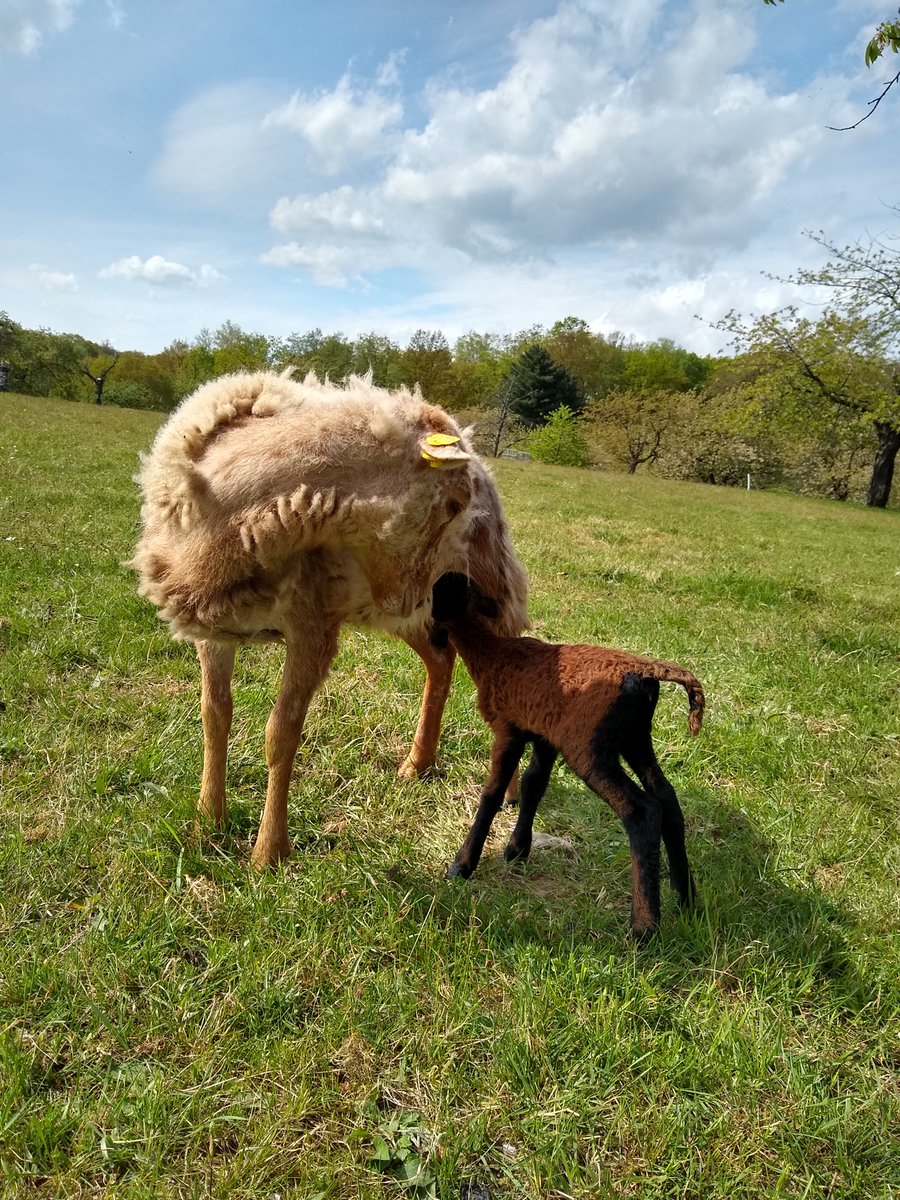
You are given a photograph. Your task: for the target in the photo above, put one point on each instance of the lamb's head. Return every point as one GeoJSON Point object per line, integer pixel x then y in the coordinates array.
{"type": "Point", "coordinates": [457, 600]}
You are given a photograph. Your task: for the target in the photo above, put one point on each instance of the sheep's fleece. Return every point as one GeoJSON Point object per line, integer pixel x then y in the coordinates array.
{"type": "Point", "coordinates": [260, 487]}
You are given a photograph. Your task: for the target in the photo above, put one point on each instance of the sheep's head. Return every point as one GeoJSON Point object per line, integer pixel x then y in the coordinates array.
{"type": "Point", "coordinates": [455, 598]}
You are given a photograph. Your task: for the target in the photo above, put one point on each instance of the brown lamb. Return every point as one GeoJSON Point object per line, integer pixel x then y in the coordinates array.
{"type": "Point", "coordinates": [591, 704]}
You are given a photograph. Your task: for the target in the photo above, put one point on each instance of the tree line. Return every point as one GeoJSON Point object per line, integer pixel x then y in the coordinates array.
{"type": "Point", "coordinates": [809, 404]}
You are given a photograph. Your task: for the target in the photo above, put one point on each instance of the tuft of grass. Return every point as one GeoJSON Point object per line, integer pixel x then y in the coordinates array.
{"type": "Point", "coordinates": [172, 1025]}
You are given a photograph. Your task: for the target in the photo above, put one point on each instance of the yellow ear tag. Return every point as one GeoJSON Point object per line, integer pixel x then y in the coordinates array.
{"type": "Point", "coordinates": [441, 439]}
{"type": "Point", "coordinates": [435, 462]}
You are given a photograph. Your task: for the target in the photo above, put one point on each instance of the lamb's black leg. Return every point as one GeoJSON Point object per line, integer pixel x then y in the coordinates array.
{"type": "Point", "coordinates": [642, 760]}
{"type": "Point", "coordinates": [509, 743]}
{"type": "Point", "coordinates": [640, 814]}
{"type": "Point", "coordinates": [532, 786]}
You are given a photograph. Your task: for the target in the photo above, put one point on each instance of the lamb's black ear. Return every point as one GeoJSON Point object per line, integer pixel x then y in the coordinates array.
{"type": "Point", "coordinates": [439, 637]}
{"type": "Point", "coordinates": [450, 597]}
{"type": "Point", "coordinates": [485, 606]}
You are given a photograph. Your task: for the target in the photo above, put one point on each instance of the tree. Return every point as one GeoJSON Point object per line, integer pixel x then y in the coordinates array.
{"type": "Point", "coordinates": [144, 380]}
{"type": "Point", "coordinates": [102, 364]}
{"type": "Point", "coordinates": [49, 364]}
{"type": "Point", "coordinates": [378, 354]}
{"type": "Point", "coordinates": [806, 368]}
{"type": "Point", "coordinates": [427, 361]}
{"type": "Point", "coordinates": [596, 364]}
{"type": "Point", "coordinates": [864, 279]}
{"type": "Point", "coordinates": [560, 440]}
{"type": "Point", "coordinates": [631, 424]}
{"type": "Point", "coordinates": [236, 350]}
{"type": "Point", "coordinates": [538, 386]}
{"type": "Point", "coordinates": [886, 37]}
{"type": "Point", "coordinates": [662, 366]}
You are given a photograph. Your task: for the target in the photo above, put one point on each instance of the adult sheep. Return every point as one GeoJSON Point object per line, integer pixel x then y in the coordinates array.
{"type": "Point", "coordinates": [278, 510]}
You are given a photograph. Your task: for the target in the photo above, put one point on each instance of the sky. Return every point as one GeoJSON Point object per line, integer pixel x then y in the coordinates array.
{"type": "Point", "coordinates": [387, 166]}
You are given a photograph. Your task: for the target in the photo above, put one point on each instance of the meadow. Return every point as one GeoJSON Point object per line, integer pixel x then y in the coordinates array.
{"type": "Point", "coordinates": [354, 1025]}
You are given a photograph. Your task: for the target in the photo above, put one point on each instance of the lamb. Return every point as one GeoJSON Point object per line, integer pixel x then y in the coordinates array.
{"type": "Point", "coordinates": [278, 510]}
{"type": "Point", "coordinates": [592, 705]}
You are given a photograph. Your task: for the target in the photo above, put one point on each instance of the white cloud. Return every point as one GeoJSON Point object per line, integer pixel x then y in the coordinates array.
{"type": "Point", "coordinates": [115, 14]}
{"type": "Point", "coordinates": [604, 131]}
{"type": "Point", "coordinates": [52, 281]}
{"type": "Point", "coordinates": [161, 272]}
{"type": "Point", "coordinates": [236, 145]}
{"type": "Point", "coordinates": [24, 23]}
{"type": "Point", "coordinates": [348, 124]}
{"type": "Point", "coordinates": [218, 153]}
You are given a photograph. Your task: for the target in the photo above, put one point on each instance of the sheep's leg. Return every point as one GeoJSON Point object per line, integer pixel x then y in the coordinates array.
{"type": "Point", "coordinates": [644, 763]}
{"type": "Point", "coordinates": [640, 814]}
{"type": "Point", "coordinates": [438, 677]}
{"type": "Point", "coordinates": [306, 665]}
{"type": "Point", "coordinates": [216, 667]}
{"type": "Point", "coordinates": [531, 791]}
{"type": "Point", "coordinates": [509, 743]}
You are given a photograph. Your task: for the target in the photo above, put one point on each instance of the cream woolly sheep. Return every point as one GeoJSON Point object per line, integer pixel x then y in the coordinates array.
{"type": "Point", "coordinates": [591, 704]}
{"type": "Point", "coordinates": [277, 510]}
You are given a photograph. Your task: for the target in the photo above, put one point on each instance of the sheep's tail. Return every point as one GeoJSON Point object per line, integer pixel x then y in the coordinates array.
{"type": "Point", "coordinates": [169, 478]}
{"type": "Point", "coordinates": [673, 673]}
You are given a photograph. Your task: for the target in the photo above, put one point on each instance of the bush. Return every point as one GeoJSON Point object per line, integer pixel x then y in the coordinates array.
{"type": "Point", "coordinates": [561, 441]}
{"type": "Point", "coordinates": [128, 394]}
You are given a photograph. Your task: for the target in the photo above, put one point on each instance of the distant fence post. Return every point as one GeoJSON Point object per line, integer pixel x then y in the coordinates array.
{"type": "Point", "coordinates": [4, 376]}
{"type": "Point", "coordinates": [748, 481]}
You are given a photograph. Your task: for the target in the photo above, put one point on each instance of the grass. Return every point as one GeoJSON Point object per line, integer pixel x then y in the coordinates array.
{"type": "Point", "coordinates": [353, 1025]}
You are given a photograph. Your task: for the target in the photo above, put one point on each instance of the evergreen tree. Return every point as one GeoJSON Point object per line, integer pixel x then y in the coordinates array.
{"type": "Point", "coordinates": [538, 386]}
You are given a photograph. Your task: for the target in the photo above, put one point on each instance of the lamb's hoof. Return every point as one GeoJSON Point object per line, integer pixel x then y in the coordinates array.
{"type": "Point", "coordinates": [643, 937]}
{"type": "Point", "coordinates": [458, 870]}
{"type": "Point", "coordinates": [516, 854]}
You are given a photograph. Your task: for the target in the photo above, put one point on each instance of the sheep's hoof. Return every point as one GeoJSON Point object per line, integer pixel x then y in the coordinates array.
{"type": "Point", "coordinates": [210, 815]}
{"type": "Point", "coordinates": [409, 770]}
{"type": "Point", "coordinates": [267, 854]}
{"type": "Point", "coordinates": [458, 870]}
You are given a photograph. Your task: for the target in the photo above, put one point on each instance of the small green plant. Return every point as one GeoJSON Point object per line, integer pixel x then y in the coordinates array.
{"type": "Point", "coordinates": [560, 442]}
{"type": "Point", "coordinates": [401, 1147]}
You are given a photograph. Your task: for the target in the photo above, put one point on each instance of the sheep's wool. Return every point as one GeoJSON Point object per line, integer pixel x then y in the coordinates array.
{"type": "Point", "coordinates": [264, 496]}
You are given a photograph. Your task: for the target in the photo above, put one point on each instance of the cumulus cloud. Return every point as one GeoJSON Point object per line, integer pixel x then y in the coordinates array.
{"type": "Point", "coordinates": [161, 272]}
{"type": "Point", "coordinates": [50, 280]}
{"type": "Point", "coordinates": [346, 125]}
{"type": "Point", "coordinates": [237, 144]}
{"type": "Point", "coordinates": [25, 23]}
{"type": "Point", "coordinates": [612, 125]}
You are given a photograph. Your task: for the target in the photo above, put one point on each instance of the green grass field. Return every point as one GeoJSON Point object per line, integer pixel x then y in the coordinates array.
{"type": "Point", "coordinates": [353, 1025]}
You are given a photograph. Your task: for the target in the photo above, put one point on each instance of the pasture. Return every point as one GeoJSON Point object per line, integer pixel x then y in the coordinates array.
{"type": "Point", "coordinates": [354, 1025]}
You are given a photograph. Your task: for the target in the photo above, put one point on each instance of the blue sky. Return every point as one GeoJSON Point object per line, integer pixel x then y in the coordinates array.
{"type": "Point", "coordinates": [389, 166]}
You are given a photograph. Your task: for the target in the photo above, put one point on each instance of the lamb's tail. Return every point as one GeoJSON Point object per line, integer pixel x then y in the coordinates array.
{"type": "Point", "coordinates": [673, 673]}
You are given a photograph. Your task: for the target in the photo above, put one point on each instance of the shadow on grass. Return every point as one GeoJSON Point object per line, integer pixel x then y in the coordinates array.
{"type": "Point", "coordinates": [750, 925]}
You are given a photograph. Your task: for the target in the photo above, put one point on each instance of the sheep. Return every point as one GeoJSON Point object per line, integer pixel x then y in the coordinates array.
{"type": "Point", "coordinates": [592, 705]}
{"type": "Point", "coordinates": [278, 510]}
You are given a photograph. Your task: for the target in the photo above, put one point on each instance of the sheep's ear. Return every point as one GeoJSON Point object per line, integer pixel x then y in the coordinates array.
{"type": "Point", "coordinates": [449, 597]}
{"type": "Point", "coordinates": [443, 451]}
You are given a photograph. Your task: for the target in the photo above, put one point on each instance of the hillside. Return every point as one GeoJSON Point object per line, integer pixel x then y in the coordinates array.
{"type": "Point", "coordinates": [353, 1024]}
